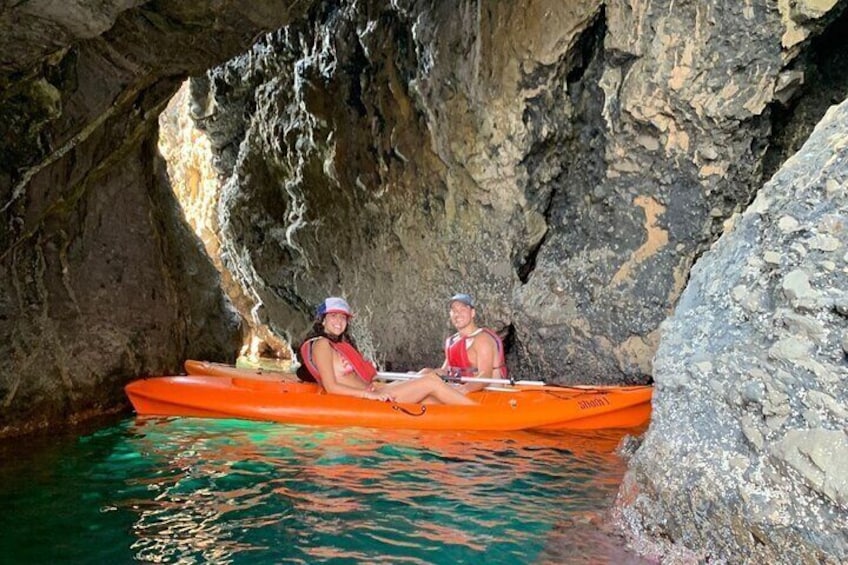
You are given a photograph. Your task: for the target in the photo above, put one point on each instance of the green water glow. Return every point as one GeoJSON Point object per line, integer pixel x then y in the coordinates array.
{"type": "Point", "coordinates": [227, 491]}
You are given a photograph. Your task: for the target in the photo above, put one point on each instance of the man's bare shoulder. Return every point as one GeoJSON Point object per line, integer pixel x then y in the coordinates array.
{"type": "Point", "coordinates": [486, 342]}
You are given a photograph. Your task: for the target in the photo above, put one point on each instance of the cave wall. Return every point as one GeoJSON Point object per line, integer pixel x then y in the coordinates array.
{"type": "Point", "coordinates": [102, 280]}
{"type": "Point", "coordinates": [361, 162]}
{"type": "Point", "coordinates": [752, 407]}
{"type": "Point", "coordinates": [566, 163]}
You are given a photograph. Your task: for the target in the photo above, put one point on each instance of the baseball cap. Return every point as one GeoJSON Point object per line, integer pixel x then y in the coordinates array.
{"type": "Point", "coordinates": [466, 299]}
{"type": "Point", "coordinates": [332, 305]}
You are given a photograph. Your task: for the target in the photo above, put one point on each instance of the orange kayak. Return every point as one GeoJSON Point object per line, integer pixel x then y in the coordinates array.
{"type": "Point", "coordinates": [260, 395]}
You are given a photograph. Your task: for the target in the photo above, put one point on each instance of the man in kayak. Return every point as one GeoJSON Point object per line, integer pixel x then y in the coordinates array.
{"type": "Point", "coordinates": [472, 351]}
{"type": "Point", "coordinates": [329, 355]}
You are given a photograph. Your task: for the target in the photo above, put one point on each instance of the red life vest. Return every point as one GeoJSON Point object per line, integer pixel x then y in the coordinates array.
{"type": "Point", "coordinates": [456, 354]}
{"type": "Point", "coordinates": [361, 366]}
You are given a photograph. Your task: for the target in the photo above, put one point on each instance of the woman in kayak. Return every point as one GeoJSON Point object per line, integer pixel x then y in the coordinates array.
{"type": "Point", "coordinates": [329, 355]}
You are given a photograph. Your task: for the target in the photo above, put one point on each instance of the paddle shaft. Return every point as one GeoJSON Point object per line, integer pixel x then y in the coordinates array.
{"type": "Point", "coordinates": [409, 376]}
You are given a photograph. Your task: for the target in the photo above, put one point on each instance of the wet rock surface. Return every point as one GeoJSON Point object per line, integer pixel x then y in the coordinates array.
{"type": "Point", "coordinates": [750, 379]}
{"type": "Point", "coordinates": [566, 163]}
{"type": "Point", "coordinates": [102, 281]}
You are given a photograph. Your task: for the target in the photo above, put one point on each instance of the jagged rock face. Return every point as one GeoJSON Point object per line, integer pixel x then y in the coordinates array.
{"type": "Point", "coordinates": [565, 162]}
{"type": "Point", "coordinates": [384, 161]}
{"type": "Point", "coordinates": [745, 457]}
{"type": "Point", "coordinates": [100, 278]}
{"type": "Point", "coordinates": [195, 183]}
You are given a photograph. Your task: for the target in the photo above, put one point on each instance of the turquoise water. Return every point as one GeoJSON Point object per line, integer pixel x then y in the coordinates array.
{"type": "Point", "coordinates": [226, 491]}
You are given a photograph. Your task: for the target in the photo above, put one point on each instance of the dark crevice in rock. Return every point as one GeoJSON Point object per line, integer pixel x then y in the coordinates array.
{"type": "Point", "coordinates": [507, 335]}
{"type": "Point", "coordinates": [356, 66]}
{"type": "Point", "coordinates": [568, 153]}
{"type": "Point", "coordinates": [824, 82]}
{"type": "Point", "coordinates": [588, 45]}
{"type": "Point", "coordinates": [290, 296]}
{"type": "Point", "coordinates": [207, 92]}
{"type": "Point", "coordinates": [527, 263]}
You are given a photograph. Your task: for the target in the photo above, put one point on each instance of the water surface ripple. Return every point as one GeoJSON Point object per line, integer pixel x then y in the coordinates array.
{"type": "Point", "coordinates": [227, 491]}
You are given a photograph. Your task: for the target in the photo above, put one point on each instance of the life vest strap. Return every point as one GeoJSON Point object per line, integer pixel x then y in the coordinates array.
{"type": "Point", "coordinates": [456, 353]}
{"type": "Point", "coordinates": [361, 366]}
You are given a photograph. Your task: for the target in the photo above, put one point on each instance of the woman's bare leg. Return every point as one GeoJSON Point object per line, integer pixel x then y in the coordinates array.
{"type": "Point", "coordinates": [424, 387]}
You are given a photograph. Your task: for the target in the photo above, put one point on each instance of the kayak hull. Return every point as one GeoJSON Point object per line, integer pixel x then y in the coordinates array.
{"type": "Point", "coordinates": [279, 399]}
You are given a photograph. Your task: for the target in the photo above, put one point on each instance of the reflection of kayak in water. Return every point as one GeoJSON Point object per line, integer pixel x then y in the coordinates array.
{"type": "Point", "coordinates": [215, 487]}
{"type": "Point", "coordinates": [229, 392]}
{"type": "Point", "coordinates": [532, 445]}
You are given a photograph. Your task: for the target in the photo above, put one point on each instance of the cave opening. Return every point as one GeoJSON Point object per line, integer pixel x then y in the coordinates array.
{"type": "Point", "coordinates": [197, 185]}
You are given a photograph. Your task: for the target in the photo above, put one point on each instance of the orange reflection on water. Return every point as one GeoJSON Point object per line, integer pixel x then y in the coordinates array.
{"type": "Point", "coordinates": [443, 534]}
{"type": "Point", "coordinates": [399, 489]}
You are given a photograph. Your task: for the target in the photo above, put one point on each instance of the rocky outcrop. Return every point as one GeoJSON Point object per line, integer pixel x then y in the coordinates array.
{"type": "Point", "coordinates": [751, 405]}
{"type": "Point", "coordinates": [101, 280]}
{"type": "Point", "coordinates": [566, 162]}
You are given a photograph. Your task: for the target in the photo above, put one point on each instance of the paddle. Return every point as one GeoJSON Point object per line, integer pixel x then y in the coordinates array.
{"type": "Point", "coordinates": [409, 376]}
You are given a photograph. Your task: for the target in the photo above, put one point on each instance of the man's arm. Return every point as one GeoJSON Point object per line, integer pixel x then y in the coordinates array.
{"type": "Point", "coordinates": [482, 355]}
